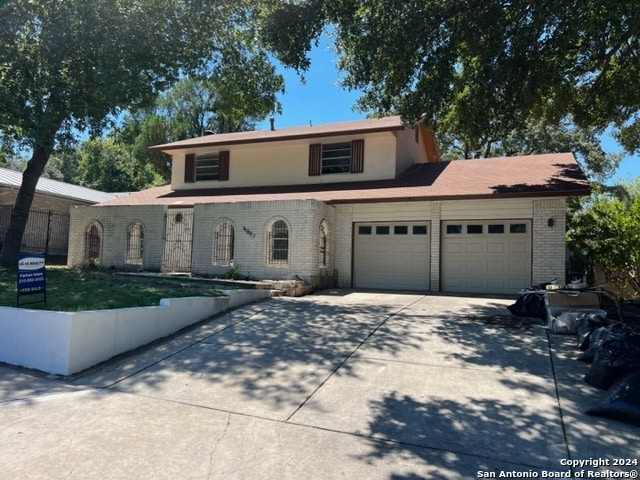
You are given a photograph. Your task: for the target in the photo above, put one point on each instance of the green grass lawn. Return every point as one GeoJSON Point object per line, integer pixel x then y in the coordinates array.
{"type": "Point", "coordinates": [73, 290]}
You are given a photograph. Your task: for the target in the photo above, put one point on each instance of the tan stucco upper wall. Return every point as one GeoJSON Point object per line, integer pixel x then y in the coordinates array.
{"type": "Point", "coordinates": [47, 202]}
{"type": "Point", "coordinates": [287, 163]}
{"type": "Point", "coordinates": [410, 149]}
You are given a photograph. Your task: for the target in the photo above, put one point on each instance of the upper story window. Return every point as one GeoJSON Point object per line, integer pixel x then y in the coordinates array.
{"type": "Point", "coordinates": [340, 157]}
{"type": "Point", "coordinates": [206, 167]}
{"type": "Point", "coordinates": [336, 157]}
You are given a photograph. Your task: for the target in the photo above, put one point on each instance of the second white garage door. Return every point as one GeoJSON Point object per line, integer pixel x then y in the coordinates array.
{"type": "Point", "coordinates": [486, 256]}
{"type": "Point", "coordinates": [391, 255]}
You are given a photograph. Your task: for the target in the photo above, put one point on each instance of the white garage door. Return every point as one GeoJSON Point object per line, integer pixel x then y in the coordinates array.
{"type": "Point", "coordinates": [486, 256]}
{"type": "Point", "coordinates": [391, 255]}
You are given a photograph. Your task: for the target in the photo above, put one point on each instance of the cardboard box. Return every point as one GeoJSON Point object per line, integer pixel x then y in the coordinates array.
{"type": "Point", "coordinates": [564, 306]}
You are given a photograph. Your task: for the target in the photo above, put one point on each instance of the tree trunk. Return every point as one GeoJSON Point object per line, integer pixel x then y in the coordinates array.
{"type": "Point", "coordinates": [20, 214]}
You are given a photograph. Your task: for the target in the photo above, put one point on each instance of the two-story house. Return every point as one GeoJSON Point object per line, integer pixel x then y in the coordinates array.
{"type": "Point", "coordinates": [363, 204]}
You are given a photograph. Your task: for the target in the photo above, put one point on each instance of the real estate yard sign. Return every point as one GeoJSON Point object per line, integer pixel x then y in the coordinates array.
{"type": "Point", "coordinates": [31, 278]}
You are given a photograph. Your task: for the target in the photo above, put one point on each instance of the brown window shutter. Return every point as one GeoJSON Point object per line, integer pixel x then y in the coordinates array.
{"type": "Point", "coordinates": [223, 165]}
{"type": "Point", "coordinates": [315, 159]}
{"type": "Point", "coordinates": [190, 168]}
{"type": "Point", "coordinates": [357, 156]}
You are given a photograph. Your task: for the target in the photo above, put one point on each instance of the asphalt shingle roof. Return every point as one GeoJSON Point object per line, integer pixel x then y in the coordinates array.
{"type": "Point", "coordinates": [370, 125]}
{"type": "Point", "coordinates": [555, 174]}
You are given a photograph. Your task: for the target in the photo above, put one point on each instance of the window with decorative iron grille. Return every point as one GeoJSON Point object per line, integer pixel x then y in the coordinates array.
{"type": "Point", "coordinates": [92, 242]}
{"type": "Point", "coordinates": [278, 243]}
{"type": "Point", "coordinates": [135, 243]}
{"type": "Point", "coordinates": [323, 244]}
{"type": "Point", "coordinates": [223, 243]}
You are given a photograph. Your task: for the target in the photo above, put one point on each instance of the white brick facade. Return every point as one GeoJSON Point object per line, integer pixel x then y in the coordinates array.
{"type": "Point", "coordinates": [114, 222]}
{"type": "Point", "coordinates": [252, 221]}
{"type": "Point", "coordinates": [435, 246]}
{"type": "Point", "coordinates": [344, 244]}
{"type": "Point", "coordinates": [549, 252]}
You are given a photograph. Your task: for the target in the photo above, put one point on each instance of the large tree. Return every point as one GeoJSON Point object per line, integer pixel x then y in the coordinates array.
{"type": "Point", "coordinates": [141, 130]}
{"type": "Point", "coordinates": [67, 65]}
{"type": "Point", "coordinates": [479, 68]}
{"type": "Point", "coordinates": [106, 165]}
{"type": "Point", "coordinates": [240, 90]}
{"type": "Point", "coordinates": [537, 137]}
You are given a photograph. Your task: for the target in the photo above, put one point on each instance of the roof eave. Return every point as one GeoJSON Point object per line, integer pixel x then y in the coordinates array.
{"type": "Point", "coordinates": [433, 198]}
{"type": "Point", "coordinates": [294, 136]}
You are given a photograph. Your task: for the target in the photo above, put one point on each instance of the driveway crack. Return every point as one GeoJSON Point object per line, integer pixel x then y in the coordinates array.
{"type": "Point", "coordinates": [215, 446]}
{"type": "Point", "coordinates": [558, 399]}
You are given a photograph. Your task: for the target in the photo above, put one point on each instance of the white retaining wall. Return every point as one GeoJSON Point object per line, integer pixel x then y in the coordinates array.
{"type": "Point", "coordinates": [63, 343]}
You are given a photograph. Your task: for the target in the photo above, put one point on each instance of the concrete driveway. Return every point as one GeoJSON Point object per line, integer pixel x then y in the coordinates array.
{"type": "Point", "coordinates": [337, 385]}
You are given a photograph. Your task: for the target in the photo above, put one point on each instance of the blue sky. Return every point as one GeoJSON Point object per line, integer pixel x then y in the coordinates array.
{"type": "Point", "coordinates": [321, 100]}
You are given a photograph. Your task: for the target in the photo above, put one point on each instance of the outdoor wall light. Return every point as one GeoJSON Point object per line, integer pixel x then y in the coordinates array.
{"type": "Point", "coordinates": [550, 222]}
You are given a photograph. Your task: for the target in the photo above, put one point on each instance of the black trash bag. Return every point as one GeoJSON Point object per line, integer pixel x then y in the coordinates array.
{"type": "Point", "coordinates": [595, 340]}
{"type": "Point", "coordinates": [615, 357]}
{"type": "Point", "coordinates": [602, 374]}
{"type": "Point", "coordinates": [622, 401]}
{"type": "Point", "coordinates": [630, 310]}
{"type": "Point", "coordinates": [530, 304]}
{"type": "Point", "coordinates": [613, 331]}
{"type": "Point", "coordinates": [629, 356]}
{"type": "Point", "coordinates": [586, 323]}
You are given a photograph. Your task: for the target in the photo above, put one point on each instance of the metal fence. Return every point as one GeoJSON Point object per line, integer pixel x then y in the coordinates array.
{"type": "Point", "coordinates": [47, 231]}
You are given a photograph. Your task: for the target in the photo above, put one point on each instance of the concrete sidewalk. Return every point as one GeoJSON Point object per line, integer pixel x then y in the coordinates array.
{"type": "Point", "coordinates": [337, 385]}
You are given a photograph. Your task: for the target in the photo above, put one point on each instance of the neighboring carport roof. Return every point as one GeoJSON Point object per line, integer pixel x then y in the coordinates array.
{"type": "Point", "coordinates": [534, 175]}
{"type": "Point", "coordinates": [13, 179]}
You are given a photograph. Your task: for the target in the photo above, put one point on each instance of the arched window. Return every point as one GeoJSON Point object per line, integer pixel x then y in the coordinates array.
{"type": "Point", "coordinates": [322, 244]}
{"type": "Point", "coordinates": [135, 243]}
{"type": "Point", "coordinates": [92, 242]}
{"type": "Point", "coordinates": [223, 243]}
{"type": "Point", "coordinates": [278, 243]}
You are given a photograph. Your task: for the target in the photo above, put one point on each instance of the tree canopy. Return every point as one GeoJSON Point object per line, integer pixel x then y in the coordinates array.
{"type": "Point", "coordinates": [238, 93]}
{"type": "Point", "coordinates": [479, 69]}
{"type": "Point", "coordinates": [68, 65]}
{"type": "Point", "coordinates": [537, 137]}
{"type": "Point", "coordinates": [106, 165]}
